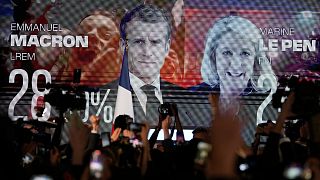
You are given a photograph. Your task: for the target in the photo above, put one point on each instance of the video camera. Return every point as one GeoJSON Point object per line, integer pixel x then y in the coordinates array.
{"type": "Point", "coordinates": [64, 97]}
{"type": "Point", "coordinates": [68, 96]}
{"type": "Point", "coordinates": [307, 94]}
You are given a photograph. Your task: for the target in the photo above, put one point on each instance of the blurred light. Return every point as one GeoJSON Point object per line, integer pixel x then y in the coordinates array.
{"type": "Point", "coordinates": [41, 177]}
{"type": "Point", "coordinates": [292, 172]}
{"type": "Point", "coordinates": [243, 167]}
{"type": "Point", "coordinates": [283, 99]}
{"type": "Point", "coordinates": [287, 88]}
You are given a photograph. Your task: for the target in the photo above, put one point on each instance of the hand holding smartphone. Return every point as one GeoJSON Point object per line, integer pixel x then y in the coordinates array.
{"type": "Point", "coordinates": [96, 164]}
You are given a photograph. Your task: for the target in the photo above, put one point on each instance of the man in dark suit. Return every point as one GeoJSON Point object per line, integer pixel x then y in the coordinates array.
{"type": "Point", "coordinates": [145, 34]}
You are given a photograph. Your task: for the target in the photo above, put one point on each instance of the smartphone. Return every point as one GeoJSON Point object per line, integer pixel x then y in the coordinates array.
{"type": "Point", "coordinates": [41, 177]}
{"type": "Point", "coordinates": [293, 171]}
{"type": "Point", "coordinates": [263, 139]}
{"type": "Point", "coordinates": [202, 153]}
{"type": "Point", "coordinates": [105, 137]}
{"type": "Point", "coordinates": [96, 164]}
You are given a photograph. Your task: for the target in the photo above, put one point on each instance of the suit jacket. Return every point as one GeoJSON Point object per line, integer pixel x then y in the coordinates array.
{"type": "Point", "coordinates": [193, 109]}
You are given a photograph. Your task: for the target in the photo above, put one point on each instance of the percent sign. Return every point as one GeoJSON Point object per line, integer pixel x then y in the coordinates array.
{"type": "Point", "coordinates": [107, 110]}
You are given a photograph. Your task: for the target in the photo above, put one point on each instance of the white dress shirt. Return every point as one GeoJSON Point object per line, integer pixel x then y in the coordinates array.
{"type": "Point", "coordinates": [136, 85]}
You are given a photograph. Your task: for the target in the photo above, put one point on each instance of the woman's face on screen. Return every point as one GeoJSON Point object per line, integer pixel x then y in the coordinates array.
{"type": "Point", "coordinates": [234, 58]}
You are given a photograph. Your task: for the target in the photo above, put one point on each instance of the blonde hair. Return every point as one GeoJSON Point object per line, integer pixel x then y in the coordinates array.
{"type": "Point", "coordinates": [242, 27]}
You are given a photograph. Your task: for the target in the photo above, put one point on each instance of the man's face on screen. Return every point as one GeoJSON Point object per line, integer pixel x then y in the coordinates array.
{"type": "Point", "coordinates": [147, 48]}
{"type": "Point", "coordinates": [234, 57]}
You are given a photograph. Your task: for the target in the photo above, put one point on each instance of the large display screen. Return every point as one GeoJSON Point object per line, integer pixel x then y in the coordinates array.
{"type": "Point", "coordinates": [58, 54]}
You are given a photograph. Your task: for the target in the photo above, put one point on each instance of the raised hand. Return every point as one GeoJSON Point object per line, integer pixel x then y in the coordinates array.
{"type": "Point", "coordinates": [115, 135]}
{"type": "Point", "coordinates": [78, 135]}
